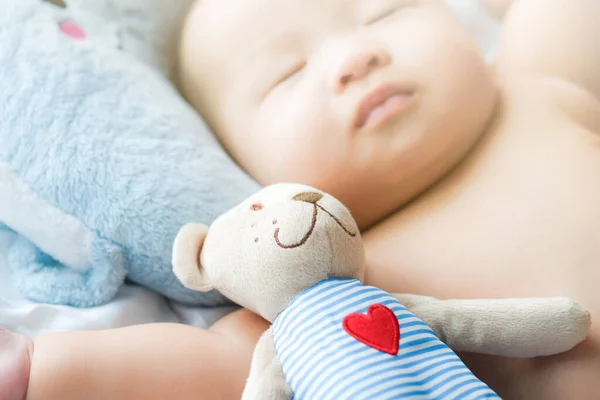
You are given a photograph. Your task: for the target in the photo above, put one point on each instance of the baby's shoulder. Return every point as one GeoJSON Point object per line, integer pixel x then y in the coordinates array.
{"type": "Point", "coordinates": [552, 39]}
{"type": "Point", "coordinates": [548, 99]}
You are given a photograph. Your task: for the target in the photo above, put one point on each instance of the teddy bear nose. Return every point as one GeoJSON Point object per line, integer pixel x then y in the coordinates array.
{"type": "Point", "coordinates": [308, 197]}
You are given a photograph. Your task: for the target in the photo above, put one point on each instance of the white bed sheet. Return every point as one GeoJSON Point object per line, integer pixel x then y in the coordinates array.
{"type": "Point", "coordinates": [485, 29]}
{"type": "Point", "coordinates": [135, 305]}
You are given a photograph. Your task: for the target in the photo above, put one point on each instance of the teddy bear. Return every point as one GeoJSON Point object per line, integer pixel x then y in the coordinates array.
{"type": "Point", "coordinates": [294, 255]}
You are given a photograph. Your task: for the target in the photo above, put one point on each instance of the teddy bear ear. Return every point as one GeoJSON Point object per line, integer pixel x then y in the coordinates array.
{"type": "Point", "coordinates": [186, 257]}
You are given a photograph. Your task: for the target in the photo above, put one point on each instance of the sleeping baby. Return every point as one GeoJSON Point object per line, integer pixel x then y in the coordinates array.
{"type": "Point", "coordinates": [466, 181]}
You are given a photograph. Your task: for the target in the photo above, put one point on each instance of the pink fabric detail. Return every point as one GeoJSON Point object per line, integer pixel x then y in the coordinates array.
{"type": "Point", "coordinates": [72, 30]}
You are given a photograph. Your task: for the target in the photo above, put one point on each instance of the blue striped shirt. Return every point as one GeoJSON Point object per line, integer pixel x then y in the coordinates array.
{"type": "Point", "coordinates": [321, 360]}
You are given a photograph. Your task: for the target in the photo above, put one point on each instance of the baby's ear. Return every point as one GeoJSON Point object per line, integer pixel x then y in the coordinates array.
{"type": "Point", "coordinates": [186, 257]}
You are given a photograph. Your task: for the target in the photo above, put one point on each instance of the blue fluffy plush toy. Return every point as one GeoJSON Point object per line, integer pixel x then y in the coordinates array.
{"type": "Point", "coordinates": [101, 162]}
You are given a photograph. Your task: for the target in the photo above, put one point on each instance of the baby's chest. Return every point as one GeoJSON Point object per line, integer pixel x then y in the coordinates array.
{"type": "Point", "coordinates": [520, 218]}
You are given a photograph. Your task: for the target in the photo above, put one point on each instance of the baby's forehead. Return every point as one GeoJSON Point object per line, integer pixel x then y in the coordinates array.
{"type": "Point", "coordinates": [235, 32]}
{"type": "Point", "coordinates": [251, 20]}
{"type": "Point", "coordinates": [240, 24]}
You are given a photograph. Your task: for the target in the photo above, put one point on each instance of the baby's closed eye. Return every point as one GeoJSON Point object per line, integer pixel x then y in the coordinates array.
{"type": "Point", "coordinates": [290, 73]}
{"type": "Point", "coordinates": [380, 10]}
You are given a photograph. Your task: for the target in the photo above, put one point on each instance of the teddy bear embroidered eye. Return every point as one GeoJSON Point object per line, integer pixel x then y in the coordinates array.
{"type": "Point", "coordinates": [294, 255]}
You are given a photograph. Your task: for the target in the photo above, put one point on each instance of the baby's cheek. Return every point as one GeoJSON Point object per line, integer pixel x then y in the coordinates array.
{"type": "Point", "coordinates": [301, 138]}
{"type": "Point", "coordinates": [294, 159]}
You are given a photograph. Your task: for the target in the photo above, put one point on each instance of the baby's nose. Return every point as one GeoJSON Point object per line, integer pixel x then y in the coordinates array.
{"type": "Point", "coordinates": [359, 64]}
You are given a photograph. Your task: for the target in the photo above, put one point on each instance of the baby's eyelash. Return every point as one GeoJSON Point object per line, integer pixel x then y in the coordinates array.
{"type": "Point", "coordinates": [383, 16]}
{"type": "Point", "coordinates": [291, 73]}
{"type": "Point", "coordinates": [392, 10]}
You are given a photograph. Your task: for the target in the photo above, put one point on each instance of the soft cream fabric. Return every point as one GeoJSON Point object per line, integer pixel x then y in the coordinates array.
{"type": "Point", "coordinates": [288, 237]}
{"type": "Point", "coordinates": [506, 327]}
{"type": "Point", "coordinates": [267, 380]}
{"type": "Point", "coordinates": [247, 256]}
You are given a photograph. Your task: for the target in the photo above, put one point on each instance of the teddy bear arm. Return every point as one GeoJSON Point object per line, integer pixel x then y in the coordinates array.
{"type": "Point", "coordinates": [528, 327]}
{"type": "Point", "coordinates": [266, 380]}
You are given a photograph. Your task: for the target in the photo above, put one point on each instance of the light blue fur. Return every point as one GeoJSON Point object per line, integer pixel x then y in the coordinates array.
{"type": "Point", "coordinates": [107, 140]}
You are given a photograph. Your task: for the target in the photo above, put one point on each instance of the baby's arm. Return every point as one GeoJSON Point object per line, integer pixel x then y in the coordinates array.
{"type": "Point", "coordinates": [551, 38]}
{"type": "Point", "coordinates": [155, 361]}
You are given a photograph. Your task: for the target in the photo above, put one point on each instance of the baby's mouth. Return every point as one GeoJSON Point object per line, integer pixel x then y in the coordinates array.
{"type": "Point", "coordinates": [381, 105]}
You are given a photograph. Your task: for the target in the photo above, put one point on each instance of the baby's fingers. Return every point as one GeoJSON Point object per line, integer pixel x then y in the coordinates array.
{"type": "Point", "coordinates": [15, 355]}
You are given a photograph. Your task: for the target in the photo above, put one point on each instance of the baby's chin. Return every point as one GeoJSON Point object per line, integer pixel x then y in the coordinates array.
{"type": "Point", "coordinates": [373, 184]}
{"type": "Point", "coordinates": [377, 191]}
{"type": "Point", "coordinates": [370, 194]}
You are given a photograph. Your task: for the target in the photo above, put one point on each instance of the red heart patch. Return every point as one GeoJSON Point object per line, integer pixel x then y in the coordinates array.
{"type": "Point", "coordinates": [378, 329]}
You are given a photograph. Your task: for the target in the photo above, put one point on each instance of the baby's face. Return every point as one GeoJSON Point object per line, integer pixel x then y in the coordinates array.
{"type": "Point", "coordinates": [369, 100]}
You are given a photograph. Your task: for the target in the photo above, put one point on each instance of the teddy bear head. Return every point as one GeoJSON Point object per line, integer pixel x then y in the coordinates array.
{"type": "Point", "coordinates": [277, 243]}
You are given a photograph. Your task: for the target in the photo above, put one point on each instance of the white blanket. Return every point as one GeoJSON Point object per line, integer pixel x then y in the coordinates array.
{"type": "Point", "coordinates": [135, 305]}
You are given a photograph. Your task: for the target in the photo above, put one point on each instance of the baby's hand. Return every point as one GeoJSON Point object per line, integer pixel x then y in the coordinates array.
{"type": "Point", "coordinates": [15, 356]}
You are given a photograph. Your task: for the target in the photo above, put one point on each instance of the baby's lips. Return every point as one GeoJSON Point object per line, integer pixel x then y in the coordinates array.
{"type": "Point", "coordinates": [385, 99]}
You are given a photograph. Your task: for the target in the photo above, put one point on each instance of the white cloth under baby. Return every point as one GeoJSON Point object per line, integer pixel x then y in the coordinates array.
{"type": "Point", "coordinates": [133, 305]}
